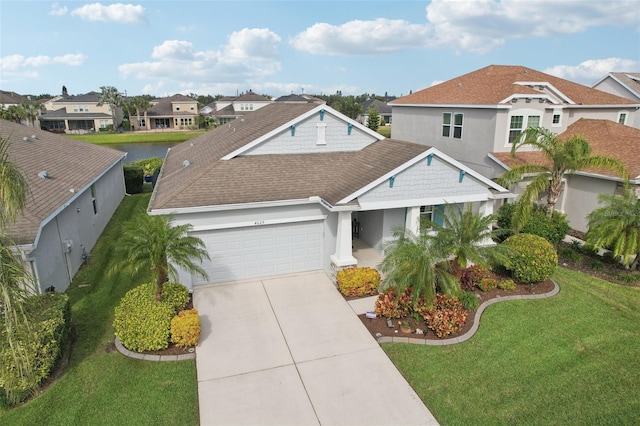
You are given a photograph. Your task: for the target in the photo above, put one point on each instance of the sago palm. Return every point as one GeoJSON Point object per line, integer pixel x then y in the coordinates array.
{"type": "Point", "coordinates": [560, 158]}
{"type": "Point", "coordinates": [468, 237]}
{"type": "Point", "coordinates": [152, 243]}
{"type": "Point", "coordinates": [415, 261]}
{"type": "Point", "coordinates": [617, 225]}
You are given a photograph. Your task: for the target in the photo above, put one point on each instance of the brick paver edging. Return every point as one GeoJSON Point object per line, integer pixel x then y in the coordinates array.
{"type": "Point", "coordinates": [148, 357]}
{"type": "Point", "coordinates": [474, 327]}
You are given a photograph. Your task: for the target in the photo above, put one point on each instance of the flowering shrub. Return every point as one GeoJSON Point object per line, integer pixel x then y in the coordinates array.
{"type": "Point", "coordinates": [445, 317]}
{"type": "Point", "coordinates": [185, 328]}
{"type": "Point", "coordinates": [534, 259]}
{"type": "Point", "coordinates": [507, 285]}
{"type": "Point", "coordinates": [389, 305]}
{"type": "Point", "coordinates": [358, 281]}
{"type": "Point", "coordinates": [488, 284]}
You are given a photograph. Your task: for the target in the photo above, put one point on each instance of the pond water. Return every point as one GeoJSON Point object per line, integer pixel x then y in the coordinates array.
{"type": "Point", "coordinates": [140, 151]}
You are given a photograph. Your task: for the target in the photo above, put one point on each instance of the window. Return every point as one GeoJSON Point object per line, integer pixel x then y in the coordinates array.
{"type": "Point", "coordinates": [193, 107]}
{"type": "Point", "coordinates": [515, 127]}
{"type": "Point", "coordinates": [432, 213]}
{"type": "Point", "coordinates": [533, 121]}
{"type": "Point", "coordinates": [93, 199]}
{"type": "Point", "coordinates": [446, 124]}
{"type": "Point", "coordinates": [177, 107]}
{"type": "Point", "coordinates": [457, 125]}
{"type": "Point", "coordinates": [426, 213]}
{"type": "Point", "coordinates": [622, 118]}
{"type": "Point", "coordinates": [557, 118]}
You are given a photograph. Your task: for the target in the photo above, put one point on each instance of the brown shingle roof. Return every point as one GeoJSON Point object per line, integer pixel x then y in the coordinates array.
{"type": "Point", "coordinates": [495, 83]}
{"type": "Point", "coordinates": [605, 138]}
{"type": "Point", "coordinates": [69, 163]}
{"type": "Point", "coordinates": [164, 107]}
{"type": "Point", "coordinates": [209, 181]}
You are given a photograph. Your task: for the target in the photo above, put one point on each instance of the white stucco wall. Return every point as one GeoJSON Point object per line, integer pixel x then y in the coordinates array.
{"type": "Point", "coordinates": [582, 198]}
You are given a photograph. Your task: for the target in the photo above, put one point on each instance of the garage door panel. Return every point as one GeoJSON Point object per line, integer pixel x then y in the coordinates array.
{"type": "Point", "coordinates": [242, 253]}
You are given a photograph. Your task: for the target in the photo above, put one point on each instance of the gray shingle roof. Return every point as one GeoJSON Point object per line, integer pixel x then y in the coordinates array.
{"type": "Point", "coordinates": [209, 181]}
{"type": "Point", "coordinates": [70, 164]}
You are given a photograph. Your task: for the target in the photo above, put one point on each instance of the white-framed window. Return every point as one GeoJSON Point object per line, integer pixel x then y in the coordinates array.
{"type": "Point", "coordinates": [426, 213]}
{"type": "Point", "coordinates": [533, 121]}
{"type": "Point", "coordinates": [515, 127]}
{"type": "Point", "coordinates": [177, 107]}
{"type": "Point", "coordinates": [622, 117]}
{"type": "Point", "coordinates": [193, 107]}
{"type": "Point", "coordinates": [556, 120]}
{"type": "Point", "coordinates": [104, 123]}
{"type": "Point", "coordinates": [452, 125]}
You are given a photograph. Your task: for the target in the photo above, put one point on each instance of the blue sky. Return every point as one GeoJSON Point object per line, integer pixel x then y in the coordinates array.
{"type": "Point", "coordinates": [281, 47]}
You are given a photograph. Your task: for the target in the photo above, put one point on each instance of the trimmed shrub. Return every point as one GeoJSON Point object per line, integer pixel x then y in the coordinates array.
{"type": "Point", "coordinates": [141, 323]}
{"type": "Point", "coordinates": [488, 284]}
{"type": "Point", "coordinates": [389, 305]}
{"type": "Point", "coordinates": [553, 228]}
{"type": "Point", "coordinates": [469, 300]}
{"type": "Point", "coordinates": [133, 179]}
{"type": "Point", "coordinates": [148, 165]}
{"type": "Point", "coordinates": [445, 317]}
{"type": "Point", "coordinates": [507, 285]}
{"type": "Point", "coordinates": [44, 343]}
{"type": "Point", "coordinates": [535, 258]}
{"type": "Point", "coordinates": [185, 328]}
{"type": "Point", "coordinates": [175, 295]}
{"type": "Point", "coordinates": [358, 281]}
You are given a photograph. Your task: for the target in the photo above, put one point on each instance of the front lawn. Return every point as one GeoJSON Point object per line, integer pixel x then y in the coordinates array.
{"type": "Point", "coordinates": [570, 359]}
{"type": "Point", "coordinates": [137, 137]}
{"type": "Point", "coordinates": [100, 386]}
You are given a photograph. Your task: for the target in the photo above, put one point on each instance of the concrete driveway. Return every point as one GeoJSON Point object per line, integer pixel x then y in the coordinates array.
{"type": "Point", "coordinates": [290, 350]}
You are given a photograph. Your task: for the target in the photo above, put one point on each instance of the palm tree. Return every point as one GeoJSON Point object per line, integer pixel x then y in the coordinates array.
{"type": "Point", "coordinates": [416, 261]}
{"type": "Point", "coordinates": [561, 158]}
{"type": "Point", "coordinates": [152, 243]}
{"type": "Point", "coordinates": [617, 225]}
{"type": "Point", "coordinates": [31, 112]}
{"type": "Point", "coordinates": [13, 186]}
{"type": "Point", "coordinates": [109, 95]}
{"type": "Point", "coordinates": [468, 237]}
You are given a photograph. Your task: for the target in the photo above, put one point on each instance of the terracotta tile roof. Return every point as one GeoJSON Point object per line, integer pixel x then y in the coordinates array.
{"type": "Point", "coordinates": [69, 163]}
{"type": "Point", "coordinates": [209, 181]}
{"type": "Point", "coordinates": [605, 138]}
{"type": "Point", "coordinates": [495, 83]}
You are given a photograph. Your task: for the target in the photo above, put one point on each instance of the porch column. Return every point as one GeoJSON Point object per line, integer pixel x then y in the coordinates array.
{"type": "Point", "coordinates": [412, 220]}
{"type": "Point", "coordinates": [343, 255]}
{"type": "Point", "coordinates": [486, 209]}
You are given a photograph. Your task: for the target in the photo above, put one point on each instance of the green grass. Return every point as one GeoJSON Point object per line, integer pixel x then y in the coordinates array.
{"type": "Point", "coordinates": [100, 386]}
{"type": "Point", "coordinates": [385, 131]}
{"type": "Point", "coordinates": [570, 359]}
{"type": "Point", "coordinates": [137, 137]}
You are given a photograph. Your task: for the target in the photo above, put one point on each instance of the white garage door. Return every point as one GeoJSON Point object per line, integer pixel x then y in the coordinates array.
{"type": "Point", "coordinates": [258, 251]}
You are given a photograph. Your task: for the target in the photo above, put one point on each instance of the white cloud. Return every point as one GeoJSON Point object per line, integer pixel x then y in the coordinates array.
{"type": "Point", "coordinates": [57, 10]}
{"type": "Point", "coordinates": [361, 37]}
{"type": "Point", "coordinates": [477, 26]}
{"type": "Point", "coordinates": [117, 12]}
{"type": "Point", "coordinates": [249, 57]}
{"type": "Point", "coordinates": [15, 62]}
{"type": "Point", "coordinates": [589, 71]}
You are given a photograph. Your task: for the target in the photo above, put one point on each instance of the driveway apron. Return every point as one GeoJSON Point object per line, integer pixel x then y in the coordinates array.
{"type": "Point", "coordinates": [290, 350]}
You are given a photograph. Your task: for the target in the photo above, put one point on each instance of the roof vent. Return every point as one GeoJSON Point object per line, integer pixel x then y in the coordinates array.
{"type": "Point", "coordinates": [26, 139]}
{"type": "Point", "coordinates": [43, 174]}
{"type": "Point", "coordinates": [186, 163]}
{"type": "Point", "coordinates": [34, 137]}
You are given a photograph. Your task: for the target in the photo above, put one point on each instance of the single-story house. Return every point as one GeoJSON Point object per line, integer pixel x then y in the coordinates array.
{"type": "Point", "coordinates": [74, 189]}
{"type": "Point", "coordinates": [581, 190]}
{"type": "Point", "coordinates": [280, 190]}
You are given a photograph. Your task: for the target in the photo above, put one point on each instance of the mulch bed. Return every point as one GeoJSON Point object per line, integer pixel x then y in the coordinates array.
{"type": "Point", "coordinates": [378, 326]}
{"type": "Point", "coordinates": [606, 271]}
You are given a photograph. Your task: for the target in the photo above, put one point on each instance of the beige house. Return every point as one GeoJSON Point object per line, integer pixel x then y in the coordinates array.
{"type": "Point", "coordinates": [78, 114]}
{"type": "Point", "coordinates": [229, 108]}
{"type": "Point", "coordinates": [177, 112]}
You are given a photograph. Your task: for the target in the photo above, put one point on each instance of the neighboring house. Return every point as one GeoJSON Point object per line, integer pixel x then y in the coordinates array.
{"type": "Point", "coordinates": [581, 190]}
{"type": "Point", "coordinates": [484, 111]}
{"type": "Point", "coordinates": [625, 84]}
{"type": "Point", "coordinates": [174, 112]}
{"type": "Point", "coordinates": [280, 190]}
{"type": "Point", "coordinates": [75, 187]}
{"type": "Point", "coordinates": [8, 99]}
{"type": "Point", "coordinates": [382, 107]}
{"type": "Point", "coordinates": [229, 108]}
{"type": "Point", "coordinates": [78, 114]}
{"type": "Point", "coordinates": [293, 98]}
